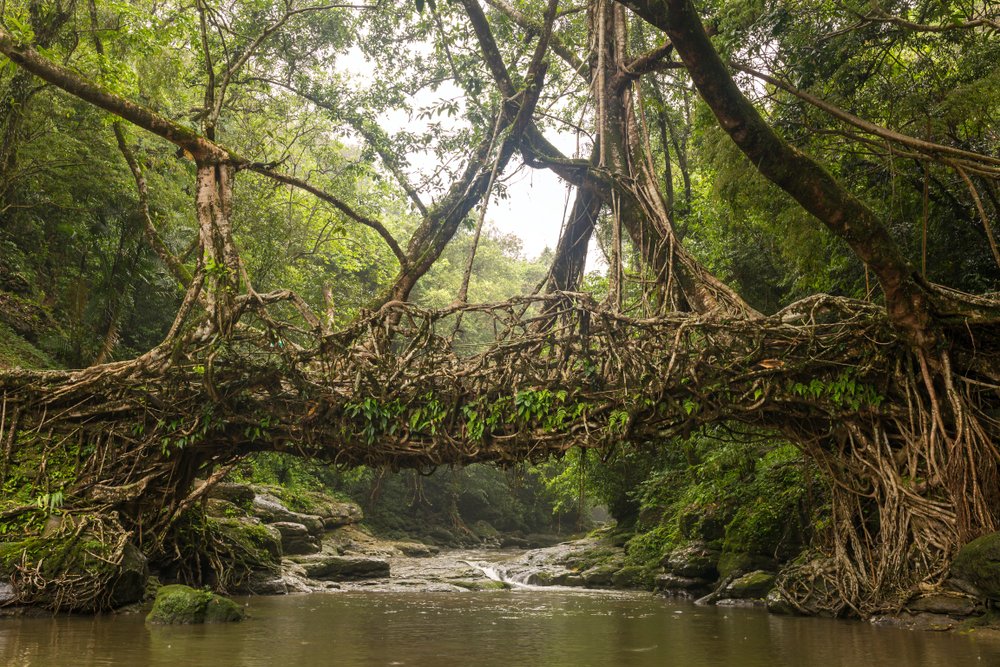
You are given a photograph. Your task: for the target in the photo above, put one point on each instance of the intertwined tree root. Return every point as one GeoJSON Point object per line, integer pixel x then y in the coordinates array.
{"type": "Point", "coordinates": [907, 443]}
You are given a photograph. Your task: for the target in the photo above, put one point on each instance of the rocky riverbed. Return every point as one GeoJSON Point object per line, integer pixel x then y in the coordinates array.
{"type": "Point", "coordinates": [330, 549]}
{"type": "Point", "coordinates": [312, 543]}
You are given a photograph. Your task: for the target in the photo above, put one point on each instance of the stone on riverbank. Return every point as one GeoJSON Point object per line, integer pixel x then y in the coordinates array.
{"type": "Point", "coordinates": [240, 495]}
{"type": "Point", "coordinates": [752, 586]}
{"type": "Point", "coordinates": [953, 604]}
{"type": "Point", "coordinates": [270, 510]}
{"type": "Point", "coordinates": [179, 604]}
{"type": "Point", "coordinates": [978, 564]}
{"type": "Point", "coordinates": [777, 603]}
{"type": "Point", "coordinates": [671, 584]}
{"type": "Point", "coordinates": [694, 560]}
{"type": "Point", "coordinates": [295, 538]}
{"type": "Point", "coordinates": [342, 568]}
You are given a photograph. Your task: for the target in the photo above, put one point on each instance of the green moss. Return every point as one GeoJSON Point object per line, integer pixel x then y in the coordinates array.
{"type": "Point", "coordinates": [596, 557]}
{"type": "Point", "coordinates": [633, 576]}
{"type": "Point", "coordinates": [56, 555]}
{"type": "Point", "coordinates": [254, 544]}
{"type": "Point", "coordinates": [649, 548]}
{"type": "Point", "coordinates": [79, 564]}
{"type": "Point", "coordinates": [178, 604]}
{"type": "Point", "coordinates": [732, 562]}
{"type": "Point", "coordinates": [16, 351]}
{"type": "Point", "coordinates": [10, 555]}
{"type": "Point", "coordinates": [751, 586]}
{"type": "Point", "coordinates": [978, 563]}
{"type": "Point", "coordinates": [990, 621]}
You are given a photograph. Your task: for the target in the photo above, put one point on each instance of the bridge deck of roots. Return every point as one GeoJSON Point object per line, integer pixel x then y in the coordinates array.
{"type": "Point", "coordinates": [521, 380]}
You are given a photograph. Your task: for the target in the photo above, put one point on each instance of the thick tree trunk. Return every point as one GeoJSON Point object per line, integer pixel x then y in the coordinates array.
{"type": "Point", "coordinates": [909, 305]}
{"type": "Point", "coordinates": [570, 260]}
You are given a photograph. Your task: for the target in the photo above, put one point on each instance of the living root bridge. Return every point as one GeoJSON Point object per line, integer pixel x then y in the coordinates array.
{"type": "Point", "coordinates": [911, 461]}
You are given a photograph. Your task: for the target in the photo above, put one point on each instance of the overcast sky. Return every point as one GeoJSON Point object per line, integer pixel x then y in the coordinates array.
{"type": "Point", "coordinates": [536, 202]}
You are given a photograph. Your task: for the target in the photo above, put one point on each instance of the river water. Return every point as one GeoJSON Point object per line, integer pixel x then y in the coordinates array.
{"type": "Point", "coordinates": [482, 629]}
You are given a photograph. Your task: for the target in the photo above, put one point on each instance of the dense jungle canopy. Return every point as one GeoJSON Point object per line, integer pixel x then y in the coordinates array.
{"type": "Point", "coordinates": [264, 226]}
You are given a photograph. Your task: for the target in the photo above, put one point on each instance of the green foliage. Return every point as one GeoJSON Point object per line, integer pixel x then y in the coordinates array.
{"type": "Point", "coordinates": [375, 417]}
{"type": "Point", "coordinates": [50, 501]}
{"type": "Point", "coordinates": [845, 391]}
{"type": "Point", "coordinates": [759, 498]}
{"type": "Point", "coordinates": [16, 351]}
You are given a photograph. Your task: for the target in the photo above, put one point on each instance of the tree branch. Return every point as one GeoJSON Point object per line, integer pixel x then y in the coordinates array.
{"type": "Point", "coordinates": [195, 146]}
{"type": "Point", "coordinates": [908, 303]}
{"type": "Point", "coordinates": [879, 15]}
{"type": "Point", "coordinates": [990, 166]}
{"type": "Point", "coordinates": [341, 206]}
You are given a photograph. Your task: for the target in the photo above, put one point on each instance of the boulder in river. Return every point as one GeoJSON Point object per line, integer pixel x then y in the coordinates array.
{"type": "Point", "coordinates": [953, 604]}
{"type": "Point", "coordinates": [671, 584]}
{"type": "Point", "coordinates": [631, 576]}
{"type": "Point", "coordinates": [130, 584]}
{"type": "Point", "coordinates": [751, 586]}
{"type": "Point", "coordinates": [777, 603]}
{"type": "Point", "coordinates": [179, 604]}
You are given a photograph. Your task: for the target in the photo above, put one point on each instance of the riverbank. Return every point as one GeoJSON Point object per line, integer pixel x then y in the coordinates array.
{"type": "Point", "coordinates": [555, 628]}
{"type": "Point", "coordinates": [348, 557]}
{"type": "Point", "coordinates": [314, 543]}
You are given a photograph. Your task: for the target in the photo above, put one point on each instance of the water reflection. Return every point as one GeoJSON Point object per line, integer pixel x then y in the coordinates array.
{"type": "Point", "coordinates": [483, 629]}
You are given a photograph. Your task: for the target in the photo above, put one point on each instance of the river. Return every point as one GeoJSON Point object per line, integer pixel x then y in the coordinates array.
{"type": "Point", "coordinates": [551, 628]}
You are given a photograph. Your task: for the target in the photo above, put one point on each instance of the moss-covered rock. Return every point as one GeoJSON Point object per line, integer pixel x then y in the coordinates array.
{"type": "Point", "coordinates": [671, 584]}
{"type": "Point", "coordinates": [270, 509]}
{"type": "Point", "coordinates": [484, 530]}
{"type": "Point", "coordinates": [695, 560]}
{"type": "Point", "coordinates": [16, 351]}
{"type": "Point", "coordinates": [331, 511]}
{"type": "Point", "coordinates": [777, 603]}
{"type": "Point", "coordinates": [632, 576]}
{"type": "Point", "coordinates": [130, 583]}
{"type": "Point", "coordinates": [599, 576]}
{"type": "Point", "coordinates": [240, 495]}
{"type": "Point", "coordinates": [978, 564]}
{"type": "Point", "coordinates": [737, 562]}
{"type": "Point", "coordinates": [751, 586]}
{"type": "Point", "coordinates": [257, 544]}
{"type": "Point", "coordinates": [953, 604]}
{"type": "Point", "coordinates": [178, 604]}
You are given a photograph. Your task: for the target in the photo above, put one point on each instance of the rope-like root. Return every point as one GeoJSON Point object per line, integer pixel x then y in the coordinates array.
{"type": "Point", "coordinates": [74, 567]}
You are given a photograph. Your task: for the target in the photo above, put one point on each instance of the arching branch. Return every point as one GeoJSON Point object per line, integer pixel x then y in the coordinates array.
{"type": "Point", "coordinates": [909, 304]}
{"type": "Point", "coordinates": [195, 145]}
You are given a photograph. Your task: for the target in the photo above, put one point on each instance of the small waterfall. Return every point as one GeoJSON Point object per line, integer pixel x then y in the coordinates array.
{"type": "Point", "coordinates": [520, 578]}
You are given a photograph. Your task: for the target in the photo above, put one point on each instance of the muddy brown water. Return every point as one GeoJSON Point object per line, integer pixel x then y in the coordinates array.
{"type": "Point", "coordinates": [481, 629]}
